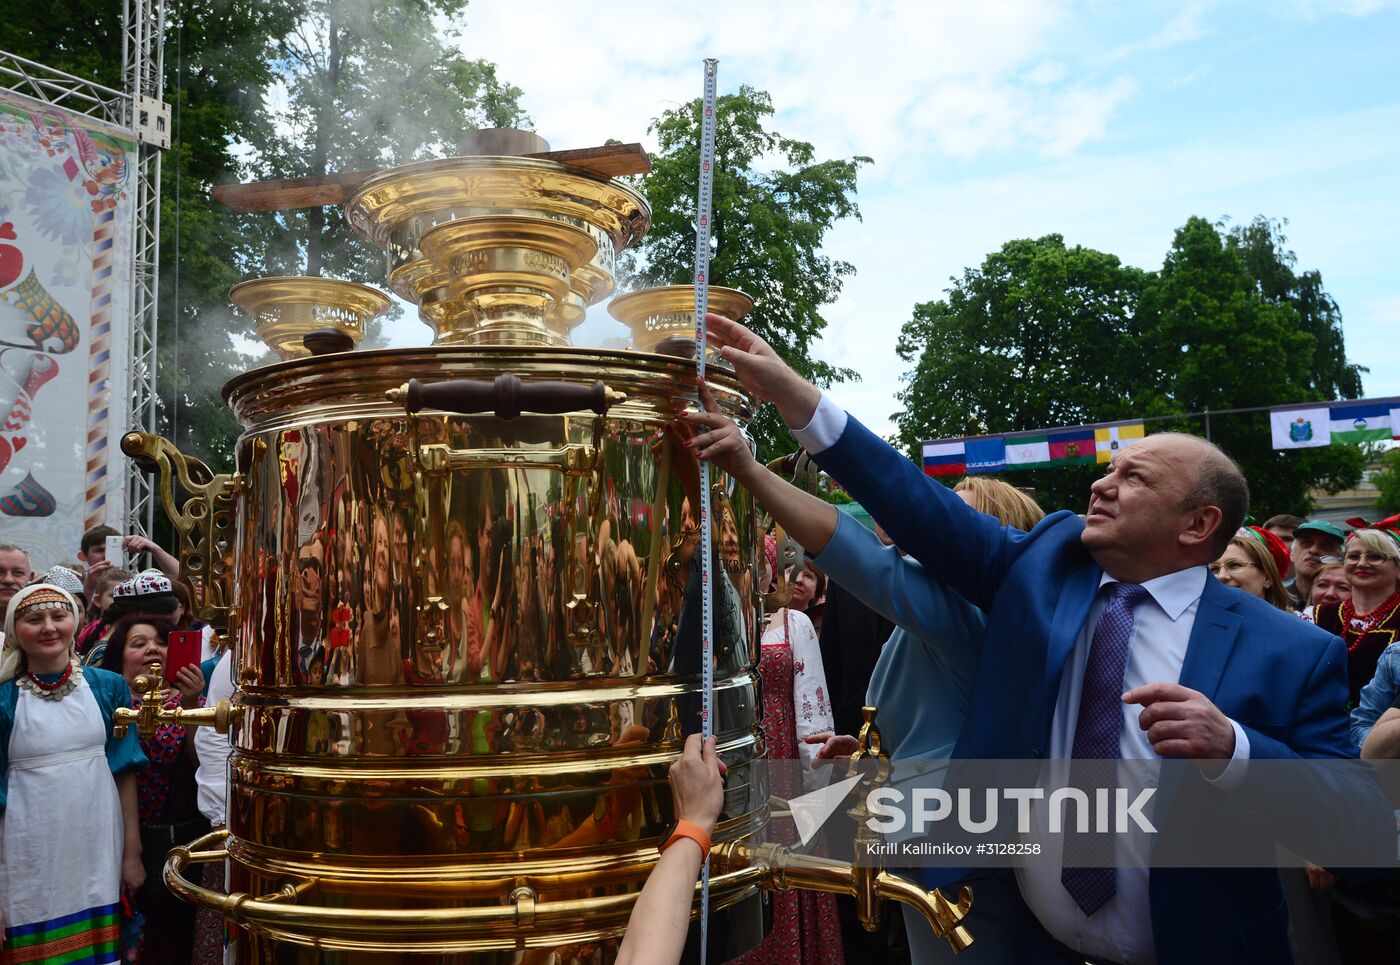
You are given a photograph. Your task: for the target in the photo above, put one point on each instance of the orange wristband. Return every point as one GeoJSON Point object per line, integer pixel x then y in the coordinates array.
{"type": "Point", "coordinates": [685, 829]}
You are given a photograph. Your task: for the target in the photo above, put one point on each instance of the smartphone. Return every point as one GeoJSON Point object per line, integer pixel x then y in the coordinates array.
{"type": "Point", "coordinates": [115, 554]}
{"type": "Point", "coordinates": [184, 647]}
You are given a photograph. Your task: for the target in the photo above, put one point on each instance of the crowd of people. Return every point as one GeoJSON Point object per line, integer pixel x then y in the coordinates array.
{"type": "Point", "coordinates": [88, 817]}
{"type": "Point", "coordinates": [1161, 623]}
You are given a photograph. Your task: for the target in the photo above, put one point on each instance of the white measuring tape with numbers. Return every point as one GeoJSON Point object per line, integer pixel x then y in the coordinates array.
{"type": "Point", "coordinates": [702, 304]}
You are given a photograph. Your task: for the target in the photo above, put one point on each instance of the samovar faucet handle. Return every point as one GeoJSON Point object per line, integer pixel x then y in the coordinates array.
{"type": "Point", "coordinates": [151, 712]}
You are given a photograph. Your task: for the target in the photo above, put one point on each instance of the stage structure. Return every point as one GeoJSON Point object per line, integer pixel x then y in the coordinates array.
{"type": "Point", "coordinates": [79, 230]}
{"type": "Point", "coordinates": [461, 589]}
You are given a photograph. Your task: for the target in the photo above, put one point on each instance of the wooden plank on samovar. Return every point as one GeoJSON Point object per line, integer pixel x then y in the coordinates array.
{"type": "Point", "coordinates": [285, 194]}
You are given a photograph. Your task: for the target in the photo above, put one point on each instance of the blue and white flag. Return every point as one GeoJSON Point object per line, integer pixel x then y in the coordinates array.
{"type": "Point", "coordinates": [1301, 428]}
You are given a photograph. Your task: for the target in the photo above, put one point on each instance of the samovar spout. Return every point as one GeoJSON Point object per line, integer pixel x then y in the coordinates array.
{"type": "Point", "coordinates": [782, 869]}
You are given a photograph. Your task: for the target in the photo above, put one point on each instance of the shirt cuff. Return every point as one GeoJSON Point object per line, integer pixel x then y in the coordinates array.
{"type": "Point", "coordinates": [827, 424]}
{"type": "Point", "coordinates": [1230, 778]}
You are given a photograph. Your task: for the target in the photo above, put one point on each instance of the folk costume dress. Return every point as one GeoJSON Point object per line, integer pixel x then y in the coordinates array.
{"type": "Point", "coordinates": [1366, 636]}
{"type": "Point", "coordinates": [61, 833]}
{"type": "Point", "coordinates": [806, 926]}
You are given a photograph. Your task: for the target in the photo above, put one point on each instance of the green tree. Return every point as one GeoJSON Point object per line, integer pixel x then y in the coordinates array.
{"type": "Point", "coordinates": [1387, 482]}
{"type": "Point", "coordinates": [217, 68]}
{"type": "Point", "coordinates": [1214, 337]}
{"type": "Point", "coordinates": [767, 229]}
{"type": "Point", "coordinates": [368, 86]}
{"type": "Point", "coordinates": [1039, 335]}
{"type": "Point", "coordinates": [1042, 335]}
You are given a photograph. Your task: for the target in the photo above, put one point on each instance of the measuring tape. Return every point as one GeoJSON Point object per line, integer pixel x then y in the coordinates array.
{"type": "Point", "coordinates": [702, 304]}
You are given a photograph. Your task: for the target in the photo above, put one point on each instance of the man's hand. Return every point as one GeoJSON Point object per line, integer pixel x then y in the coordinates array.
{"type": "Point", "coordinates": [834, 746]}
{"type": "Point", "coordinates": [762, 372]}
{"type": "Point", "coordinates": [1319, 879]}
{"type": "Point", "coordinates": [1181, 722]}
{"type": "Point", "coordinates": [697, 783]}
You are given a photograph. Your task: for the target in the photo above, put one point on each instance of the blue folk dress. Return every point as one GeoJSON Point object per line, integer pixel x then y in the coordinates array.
{"type": "Point", "coordinates": [61, 832]}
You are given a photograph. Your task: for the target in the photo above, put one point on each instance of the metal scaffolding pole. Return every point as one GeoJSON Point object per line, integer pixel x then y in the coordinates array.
{"type": "Point", "coordinates": [143, 72]}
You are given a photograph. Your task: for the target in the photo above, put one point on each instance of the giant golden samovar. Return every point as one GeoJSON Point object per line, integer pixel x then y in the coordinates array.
{"type": "Point", "coordinates": [461, 587]}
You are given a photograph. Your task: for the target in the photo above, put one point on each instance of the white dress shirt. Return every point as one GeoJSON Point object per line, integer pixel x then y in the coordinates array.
{"type": "Point", "coordinates": [1121, 930]}
{"type": "Point", "coordinates": [213, 749]}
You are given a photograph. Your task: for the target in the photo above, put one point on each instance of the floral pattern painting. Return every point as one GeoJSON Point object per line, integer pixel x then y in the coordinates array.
{"type": "Point", "coordinates": [65, 325]}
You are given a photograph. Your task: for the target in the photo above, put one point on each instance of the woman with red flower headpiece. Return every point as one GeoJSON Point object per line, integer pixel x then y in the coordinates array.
{"type": "Point", "coordinates": [1367, 622]}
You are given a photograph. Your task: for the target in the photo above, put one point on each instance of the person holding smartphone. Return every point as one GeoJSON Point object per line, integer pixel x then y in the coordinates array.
{"type": "Point", "coordinates": [167, 793]}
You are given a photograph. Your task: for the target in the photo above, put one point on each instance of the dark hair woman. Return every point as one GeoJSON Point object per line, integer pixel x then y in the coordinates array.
{"type": "Point", "coordinates": [166, 791]}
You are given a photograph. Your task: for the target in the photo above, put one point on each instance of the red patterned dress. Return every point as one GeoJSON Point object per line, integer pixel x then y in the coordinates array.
{"type": "Point", "coordinates": [806, 927]}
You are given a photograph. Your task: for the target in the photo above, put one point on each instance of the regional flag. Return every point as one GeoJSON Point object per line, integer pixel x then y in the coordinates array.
{"type": "Point", "coordinates": [1071, 447]}
{"type": "Point", "coordinates": [1395, 423]}
{"type": "Point", "coordinates": [1360, 422]}
{"type": "Point", "coordinates": [1109, 440]}
{"type": "Point", "coordinates": [1301, 428]}
{"type": "Point", "coordinates": [985, 455]}
{"type": "Point", "coordinates": [1028, 452]}
{"type": "Point", "coordinates": [945, 459]}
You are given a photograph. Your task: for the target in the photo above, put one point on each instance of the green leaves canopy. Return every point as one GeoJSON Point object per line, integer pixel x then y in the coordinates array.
{"type": "Point", "coordinates": [1043, 335]}
{"type": "Point", "coordinates": [773, 205]}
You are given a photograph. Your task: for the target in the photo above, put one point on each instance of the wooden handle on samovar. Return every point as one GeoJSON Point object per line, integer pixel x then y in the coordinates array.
{"type": "Point", "coordinates": [507, 396]}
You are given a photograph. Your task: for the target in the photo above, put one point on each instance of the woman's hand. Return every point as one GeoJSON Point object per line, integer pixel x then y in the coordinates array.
{"type": "Point", "coordinates": [133, 874]}
{"type": "Point", "coordinates": [190, 683]}
{"type": "Point", "coordinates": [833, 745]}
{"type": "Point", "coordinates": [720, 440]}
{"type": "Point", "coordinates": [697, 783]}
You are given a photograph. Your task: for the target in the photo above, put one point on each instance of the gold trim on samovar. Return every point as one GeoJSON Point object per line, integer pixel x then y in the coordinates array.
{"type": "Point", "coordinates": [461, 586]}
{"type": "Point", "coordinates": [668, 312]}
{"type": "Point", "coordinates": [287, 308]}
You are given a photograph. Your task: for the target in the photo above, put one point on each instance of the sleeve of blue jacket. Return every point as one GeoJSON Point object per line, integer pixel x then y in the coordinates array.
{"type": "Point", "coordinates": [900, 589]}
{"type": "Point", "coordinates": [961, 548]}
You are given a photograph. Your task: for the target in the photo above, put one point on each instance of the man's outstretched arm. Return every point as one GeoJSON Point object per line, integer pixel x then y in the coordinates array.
{"type": "Point", "coordinates": [961, 547]}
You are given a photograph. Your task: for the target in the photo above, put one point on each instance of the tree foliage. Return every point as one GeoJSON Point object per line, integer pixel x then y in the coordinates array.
{"type": "Point", "coordinates": [276, 88]}
{"type": "Point", "coordinates": [1387, 482]}
{"type": "Point", "coordinates": [1043, 335]}
{"type": "Point", "coordinates": [367, 85]}
{"type": "Point", "coordinates": [767, 228]}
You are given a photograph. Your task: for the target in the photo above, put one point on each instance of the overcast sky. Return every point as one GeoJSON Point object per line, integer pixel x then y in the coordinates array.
{"type": "Point", "coordinates": [1109, 123]}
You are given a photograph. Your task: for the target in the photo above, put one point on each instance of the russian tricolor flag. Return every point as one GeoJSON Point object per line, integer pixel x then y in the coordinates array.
{"type": "Point", "coordinates": [945, 458]}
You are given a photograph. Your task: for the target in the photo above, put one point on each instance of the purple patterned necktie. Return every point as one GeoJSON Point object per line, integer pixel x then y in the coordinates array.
{"type": "Point", "coordinates": [1096, 733]}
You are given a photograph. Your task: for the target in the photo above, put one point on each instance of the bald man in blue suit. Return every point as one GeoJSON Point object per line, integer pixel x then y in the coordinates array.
{"type": "Point", "coordinates": [1107, 636]}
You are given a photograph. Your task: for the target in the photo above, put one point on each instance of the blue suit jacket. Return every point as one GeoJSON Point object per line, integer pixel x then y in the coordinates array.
{"type": "Point", "coordinates": [1282, 680]}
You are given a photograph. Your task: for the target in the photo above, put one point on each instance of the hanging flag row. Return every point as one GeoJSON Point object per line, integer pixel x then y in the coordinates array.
{"type": "Point", "coordinates": [1077, 446]}
{"type": "Point", "coordinates": [1366, 420]}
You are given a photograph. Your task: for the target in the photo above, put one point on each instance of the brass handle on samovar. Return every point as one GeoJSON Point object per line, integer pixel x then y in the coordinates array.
{"type": "Point", "coordinates": [152, 711]}
{"type": "Point", "coordinates": [206, 521]}
{"type": "Point", "coordinates": [507, 396]}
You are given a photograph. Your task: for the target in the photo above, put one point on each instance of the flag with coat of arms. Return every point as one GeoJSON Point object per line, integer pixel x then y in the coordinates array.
{"type": "Point", "coordinates": [1109, 439]}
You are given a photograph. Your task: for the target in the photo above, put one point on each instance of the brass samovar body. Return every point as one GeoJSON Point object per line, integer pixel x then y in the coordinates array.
{"type": "Point", "coordinates": [462, 592]}
{"type": "Point", "coordinates": [448, 689]}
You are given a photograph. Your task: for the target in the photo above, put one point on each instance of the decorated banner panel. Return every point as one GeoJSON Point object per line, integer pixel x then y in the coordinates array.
{"type": "Point", "coordinates": [65, 322]}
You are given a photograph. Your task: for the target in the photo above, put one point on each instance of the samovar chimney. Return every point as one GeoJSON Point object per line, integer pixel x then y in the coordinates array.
{"type": "Point", "coordinates": [501, 142]}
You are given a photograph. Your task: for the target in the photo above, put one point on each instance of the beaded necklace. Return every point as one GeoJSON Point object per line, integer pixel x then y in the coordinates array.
{"type": "Point", "coordinates": [1355, 626]}
{"type": "Point", "coordinates": [57, 690]}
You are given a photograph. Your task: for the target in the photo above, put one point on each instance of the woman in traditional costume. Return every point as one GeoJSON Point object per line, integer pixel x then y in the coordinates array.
{"type": "Point", "coordinates": [70, 842]}
{"type": "Point", "coordinates": [1368, 621]}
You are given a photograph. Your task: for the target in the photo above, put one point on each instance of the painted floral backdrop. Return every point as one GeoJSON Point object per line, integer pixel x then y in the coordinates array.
{"type": "Point", "coordinates": [65, 325]}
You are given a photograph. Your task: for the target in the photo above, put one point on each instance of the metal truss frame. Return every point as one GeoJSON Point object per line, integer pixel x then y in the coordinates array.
{"type": "Point", "coordinates": [138, 108]}
{"type": "Point", "coordinates": [143, 73]}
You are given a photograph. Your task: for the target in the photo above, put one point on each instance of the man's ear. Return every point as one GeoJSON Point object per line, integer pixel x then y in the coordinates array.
{"type": "Point", "coordinates": [1201, 526]}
